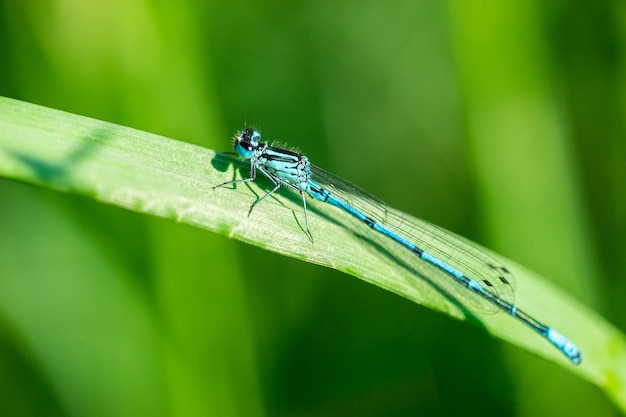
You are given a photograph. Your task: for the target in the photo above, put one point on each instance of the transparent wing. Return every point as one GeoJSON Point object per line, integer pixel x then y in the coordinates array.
{"type": "Point", "coordinates": [461, 254]}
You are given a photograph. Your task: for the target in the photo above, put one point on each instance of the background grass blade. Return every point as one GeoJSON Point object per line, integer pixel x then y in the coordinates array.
{"type": "Point", "coordinates": [154, 175]}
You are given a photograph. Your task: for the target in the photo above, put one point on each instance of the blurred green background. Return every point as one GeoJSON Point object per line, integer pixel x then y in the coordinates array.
{"type": "Point", "coordinates": [503, 122]}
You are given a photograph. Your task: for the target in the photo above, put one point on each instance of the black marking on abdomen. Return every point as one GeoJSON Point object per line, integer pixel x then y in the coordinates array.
{"type": "Point", "coordinates": [369, 222]}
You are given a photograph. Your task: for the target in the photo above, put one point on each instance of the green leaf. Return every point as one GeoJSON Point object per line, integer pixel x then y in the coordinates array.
{"type": "Point", "coordinates": [163, 177]}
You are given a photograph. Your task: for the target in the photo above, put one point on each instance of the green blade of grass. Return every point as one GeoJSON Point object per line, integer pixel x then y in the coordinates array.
{"type": "Point", "coordinates": [159, 176]}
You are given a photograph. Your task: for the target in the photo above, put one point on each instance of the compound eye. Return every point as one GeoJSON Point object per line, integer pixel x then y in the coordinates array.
{"type": "Point", "coordinates": [245, 149]}
{"type": "Point", "coordinates": [247, 142]}
{"type": "Point", "coordinates": [246, 145]}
